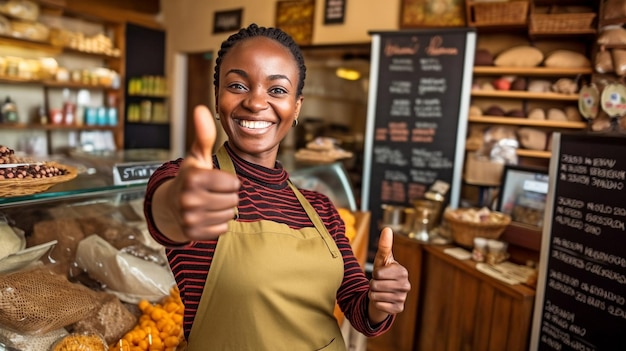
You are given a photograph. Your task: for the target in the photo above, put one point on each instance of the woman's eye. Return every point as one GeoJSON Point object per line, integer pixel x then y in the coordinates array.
{"type": "Point", "coordinates": [237, 86]}
{"type": "Point", "coordinates": [278, 91]}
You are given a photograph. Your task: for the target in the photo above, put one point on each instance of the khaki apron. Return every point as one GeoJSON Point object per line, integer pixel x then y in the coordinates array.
{"type": "Point", "coordinates": [270, 287]}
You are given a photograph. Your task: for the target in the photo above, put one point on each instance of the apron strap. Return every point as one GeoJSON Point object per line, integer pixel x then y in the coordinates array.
{"type": "Point", "coordinates": [315, 218]}
{"type": "Point", "coordinates": [226, 164]}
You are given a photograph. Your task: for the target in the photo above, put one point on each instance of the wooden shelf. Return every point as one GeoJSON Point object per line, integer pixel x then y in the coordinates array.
{"type": "Point", "coordinates": [23, 126]}
{"type": "Point", "coordinates": [48, 47]}
{"type": "Point", "coordinates": [151, 123]}
{"type": "Point", "coordinates": [527, 122]}
{"type": "Point", "coordinates": [30, 44]}
{"type": "Point", "coordinates": [531, 71]}
{"type": "Point", "coordinates": [52, 83]}
{"type": "Point", "coordinates": [534, 153]}
{"type": "Point", "coordinates": [147, 96]}
{"type": "Point", "coordinates": [525, 153]}
{"type": "Point", "coordinates": [590, 31]}
{"type": "Point", "coordinates": [92, 54]}
{"type": "Point", "coordinates": [613, 21]}
{"type": "Point", "coordinates": [524, 95]}
{"type": "Point", "coordinates": [71, 85]}
{"type": "Point", "coordinates": [18, 80]}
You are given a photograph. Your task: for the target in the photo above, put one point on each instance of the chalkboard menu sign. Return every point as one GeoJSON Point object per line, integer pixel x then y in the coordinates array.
{"type": "Point", "coordinates": [581, 292]}
{"type": "Point", "coordinates": [417, 116]}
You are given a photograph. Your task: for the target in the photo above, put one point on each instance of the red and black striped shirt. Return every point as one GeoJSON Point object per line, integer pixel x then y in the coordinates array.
{"type": "Point", "coordinates": [264, 195]}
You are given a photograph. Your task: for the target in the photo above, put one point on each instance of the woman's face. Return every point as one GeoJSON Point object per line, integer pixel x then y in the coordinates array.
{"type": "Point", "coordinates": [256, 98]}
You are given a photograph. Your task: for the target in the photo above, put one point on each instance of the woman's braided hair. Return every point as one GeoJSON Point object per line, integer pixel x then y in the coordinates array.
{"type": "Point", "coordinates": [252, 31]}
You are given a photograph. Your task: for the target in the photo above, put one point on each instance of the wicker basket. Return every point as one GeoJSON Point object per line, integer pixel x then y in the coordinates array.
{"type": "Point", "coordinates": [561, 22]}
{"type": "Point", "coordinates": [464, 232]}
{"type": "Point", "coordinates": [500, 13]}
{"type": "Point", "coordinates": [23, 187]}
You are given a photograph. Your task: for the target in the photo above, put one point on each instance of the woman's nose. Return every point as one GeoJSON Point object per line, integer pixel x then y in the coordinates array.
{"type": "Point", "coordinates": [256, 100]}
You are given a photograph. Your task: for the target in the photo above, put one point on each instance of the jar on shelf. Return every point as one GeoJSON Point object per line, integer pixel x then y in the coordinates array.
{"type": "Point", "coordinates": [146, 111]}
{"type": "Point", "coordinates": [9, 111]}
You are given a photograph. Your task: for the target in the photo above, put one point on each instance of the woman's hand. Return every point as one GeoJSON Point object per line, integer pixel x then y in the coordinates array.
{"type": "Point", "coordinates": [200, 200]}
{"type": "Point", "coordinates": [390, 282]}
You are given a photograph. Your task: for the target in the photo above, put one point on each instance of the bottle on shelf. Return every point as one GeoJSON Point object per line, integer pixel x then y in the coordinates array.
{"type": "Point", "coordinates": [91, 116]}
{"type": "Point", "coordinates": [42, 115]}
{"type": "Point", "coordinates": [101, 118]}
{"type": "Point", "coordinates": [83, 99]}
{"type": "Point", "coordinates": [69, 108]}
{"type": "Point", "coordinates": [111, 109]}
{"type": "Point", "coordinates": [147, 86]}
{"type": "Point", "coordinates": [9, 111]}
{"type": "Point", "coordinates": [146, 111]}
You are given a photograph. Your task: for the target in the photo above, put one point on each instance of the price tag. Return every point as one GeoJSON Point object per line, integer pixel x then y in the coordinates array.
{"type": "Point", "coordinates": [133, 172]}
{"type": "Point", "coordinates": [589, 101]}
{"type": "Point", "coordinates": [614, 100]}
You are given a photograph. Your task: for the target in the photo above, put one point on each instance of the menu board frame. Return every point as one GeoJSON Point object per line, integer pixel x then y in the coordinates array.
{"type": "Point", "coordinates": [440, 63]}
{"type": "Point", "coordinates": [578, 302]}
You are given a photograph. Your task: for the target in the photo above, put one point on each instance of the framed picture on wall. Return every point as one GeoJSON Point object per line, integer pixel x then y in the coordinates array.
{"type": "Point", "coordinates": [334, 11]}
{"type": "Point", "coordinates": [227, 21]}
{"type": "Point", "coordinates": [296, 18]}
{"type": "Point", "coordinates": [432, 13]}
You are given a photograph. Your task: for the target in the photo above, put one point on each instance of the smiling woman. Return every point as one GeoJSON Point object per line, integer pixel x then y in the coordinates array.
{"type": "Point", "coordinates": [275, 240]}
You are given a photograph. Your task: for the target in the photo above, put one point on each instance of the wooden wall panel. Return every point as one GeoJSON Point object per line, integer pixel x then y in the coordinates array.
{"type": "Point", "coordinates": [463, 309]}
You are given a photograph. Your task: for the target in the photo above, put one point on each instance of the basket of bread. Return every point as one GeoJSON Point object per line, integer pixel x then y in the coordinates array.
{"type": "Point", "coordinates": [468, 223]}
{"type": "Point", "coordinates": [20, 176]}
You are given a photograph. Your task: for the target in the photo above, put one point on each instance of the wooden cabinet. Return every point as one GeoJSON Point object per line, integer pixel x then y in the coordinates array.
{"type": "Point", "coordinates": [452, 306]}
{"type": "Point", "coordinates": [464, 309]}
{"type": "Point", "coordinates": [89, 49]}
{"type": "Point", "coordinates": [547, 25]}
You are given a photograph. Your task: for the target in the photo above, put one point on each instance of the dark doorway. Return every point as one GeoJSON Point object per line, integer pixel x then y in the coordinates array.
{"type": "Point", "coordinates": [145, 59]}
{"type": "Point", "coordinates": [199, 89]}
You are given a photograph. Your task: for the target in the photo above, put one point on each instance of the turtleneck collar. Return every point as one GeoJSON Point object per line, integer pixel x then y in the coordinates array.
{"type": "Point", "coordinates": [273, 177]}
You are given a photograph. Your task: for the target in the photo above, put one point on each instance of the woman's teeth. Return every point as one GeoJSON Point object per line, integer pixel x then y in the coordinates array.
{"type": "Point", "coordinates": [254, 124]}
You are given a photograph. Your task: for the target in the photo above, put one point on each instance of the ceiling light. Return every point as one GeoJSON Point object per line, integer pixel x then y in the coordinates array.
{"type": "Point", "coordinates": [348, 73]}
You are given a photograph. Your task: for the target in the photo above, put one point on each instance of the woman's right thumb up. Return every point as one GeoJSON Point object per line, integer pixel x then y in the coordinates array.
{"type": "Point", "coordinates": [202, 148]}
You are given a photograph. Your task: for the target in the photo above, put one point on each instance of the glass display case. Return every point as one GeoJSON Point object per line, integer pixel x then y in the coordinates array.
{"type": "Point", "coordinates": [91, 203]}
{"type": "Point", "coordinates": [81, 243]}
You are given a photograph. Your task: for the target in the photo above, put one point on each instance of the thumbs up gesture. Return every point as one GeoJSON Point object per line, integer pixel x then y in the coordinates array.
{"type": "Point", "coordinates": [203, 198]}
{"type": "Point", "coordinates": [390, 281]}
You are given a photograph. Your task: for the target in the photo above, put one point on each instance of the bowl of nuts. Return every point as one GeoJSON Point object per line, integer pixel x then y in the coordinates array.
{"type": "Point", "coordinates": [20, 176]}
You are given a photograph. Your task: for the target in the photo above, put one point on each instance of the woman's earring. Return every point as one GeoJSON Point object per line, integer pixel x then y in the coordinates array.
{"type": "Point", "coordinates": [217, 116]}
{"type": "Point", "coordinates": [295, 123]}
